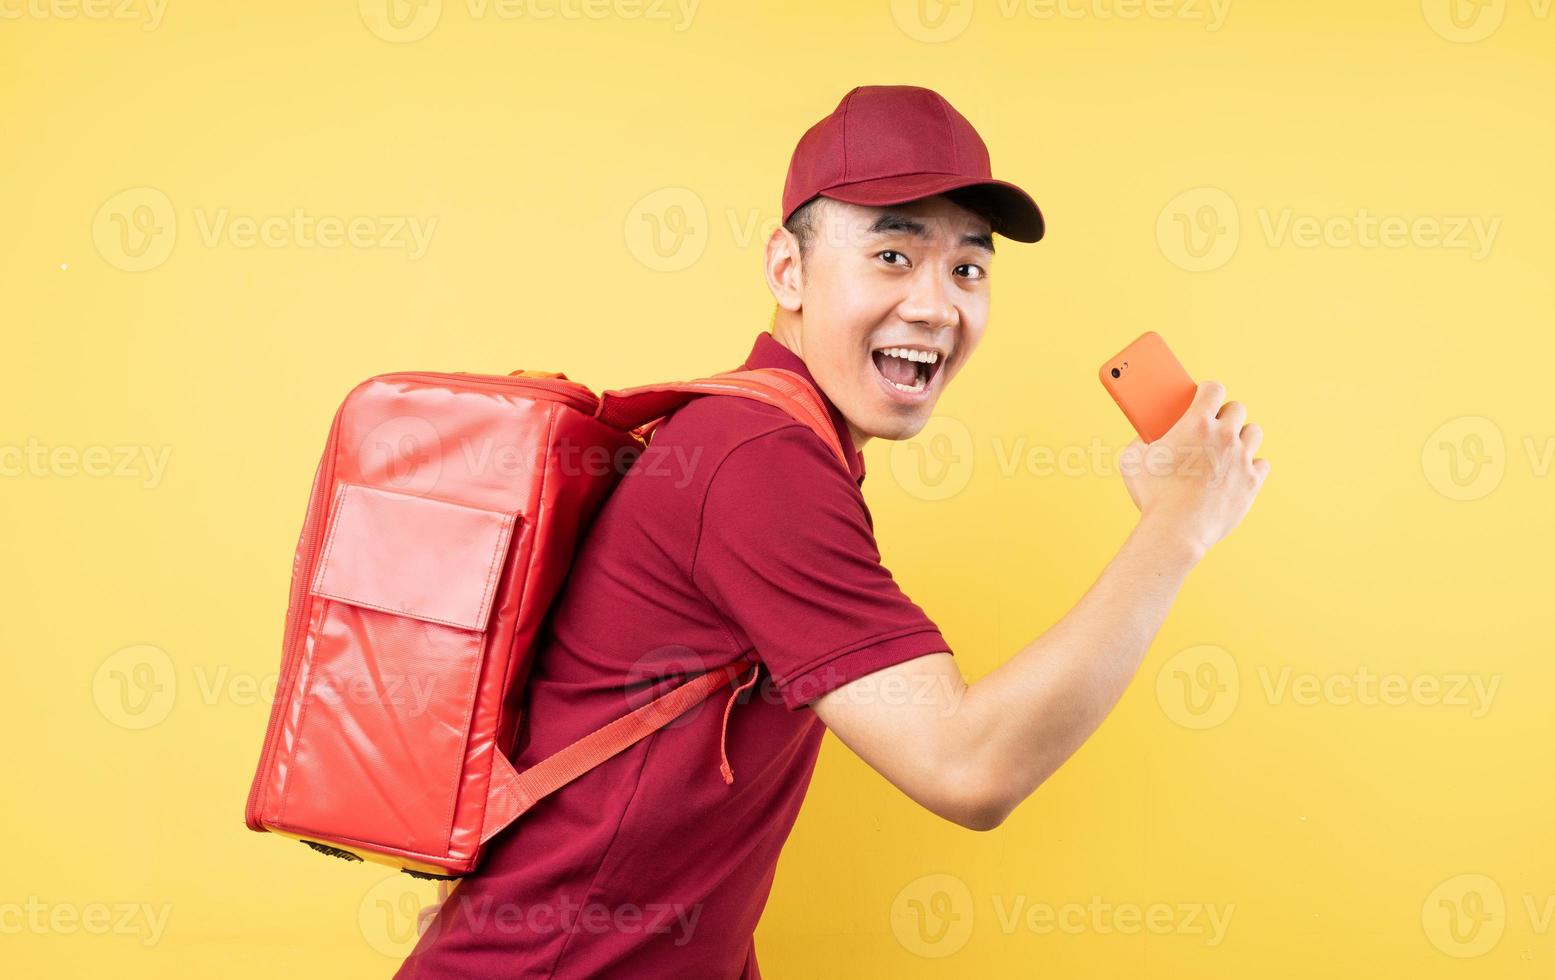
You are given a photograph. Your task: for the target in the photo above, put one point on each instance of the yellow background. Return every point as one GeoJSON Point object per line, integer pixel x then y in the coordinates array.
{"type": "Point", "coordinates": [1344, 838]}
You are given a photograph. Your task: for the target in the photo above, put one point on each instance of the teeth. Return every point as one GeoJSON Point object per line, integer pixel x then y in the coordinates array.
{"type": "Point", "coordinates": [916, 356]}
{"type": "Point", "coordinates": [909, 354]}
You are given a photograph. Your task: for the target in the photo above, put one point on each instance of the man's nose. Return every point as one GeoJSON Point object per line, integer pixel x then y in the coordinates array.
{"type": "Point", "coordinates": [928, 300]}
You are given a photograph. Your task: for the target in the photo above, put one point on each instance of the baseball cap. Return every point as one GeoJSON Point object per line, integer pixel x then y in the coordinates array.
{"type": "Point", "coordinates": [890, 144]}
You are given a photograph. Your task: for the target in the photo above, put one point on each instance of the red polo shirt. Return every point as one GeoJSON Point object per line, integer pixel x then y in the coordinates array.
{"type": "Point", "coordinates": [739, 531]}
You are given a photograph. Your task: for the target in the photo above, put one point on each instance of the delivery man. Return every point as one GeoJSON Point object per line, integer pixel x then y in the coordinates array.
{"type": "Point", "coordinates": [657, 863]}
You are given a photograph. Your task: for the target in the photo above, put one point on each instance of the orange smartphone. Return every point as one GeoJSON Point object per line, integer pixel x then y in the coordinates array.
{"type": "Point", "coordinates": [1149, 384]}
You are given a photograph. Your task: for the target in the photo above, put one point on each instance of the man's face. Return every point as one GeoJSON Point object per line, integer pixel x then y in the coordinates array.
{"type": "Point", "coordinates": [891, 301]}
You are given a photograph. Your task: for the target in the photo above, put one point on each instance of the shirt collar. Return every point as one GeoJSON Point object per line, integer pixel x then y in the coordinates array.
{"type": "Point", "coordinates": [768, 352]}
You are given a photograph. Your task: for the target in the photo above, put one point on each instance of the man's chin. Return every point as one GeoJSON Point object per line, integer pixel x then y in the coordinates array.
{"type": "Point", "coordinates": [894, 427]}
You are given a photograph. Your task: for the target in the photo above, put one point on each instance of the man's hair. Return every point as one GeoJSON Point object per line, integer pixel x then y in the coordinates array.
{"type": "Point", "coordinates": [801, 224]}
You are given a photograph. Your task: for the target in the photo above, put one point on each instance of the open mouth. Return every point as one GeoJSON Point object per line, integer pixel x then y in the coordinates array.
{"type": "Point", "coordinates": [908, 369]}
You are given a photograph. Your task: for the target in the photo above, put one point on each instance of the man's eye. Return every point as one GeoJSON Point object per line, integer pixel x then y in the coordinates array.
{"type": "Point", "coordinates": [891, 252]}
{"type": "Point", "coordinates": [974, 271]}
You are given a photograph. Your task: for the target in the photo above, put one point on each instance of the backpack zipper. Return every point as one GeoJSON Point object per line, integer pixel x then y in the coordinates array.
{"type": "Point", "coordinates": [300, 615]}
{"type": "Point", "coordinates": [567, 392]}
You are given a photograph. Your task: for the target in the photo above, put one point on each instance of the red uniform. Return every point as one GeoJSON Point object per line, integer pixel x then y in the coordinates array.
{"type": "Point", "coordinates": [739, 531]}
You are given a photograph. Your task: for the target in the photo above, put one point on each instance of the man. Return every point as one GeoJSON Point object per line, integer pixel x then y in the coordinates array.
{"type": "Point", "coordinates": [657, 863]}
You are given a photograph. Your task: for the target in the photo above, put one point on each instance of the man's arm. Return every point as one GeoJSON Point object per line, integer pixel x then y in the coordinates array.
{"type": "Point", "coordinates": [972, 753]}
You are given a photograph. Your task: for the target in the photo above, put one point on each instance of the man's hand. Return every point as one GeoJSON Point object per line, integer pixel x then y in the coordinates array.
{"type": "Point", "coordinates": [971, 753]}
{"type": "Point", "coordinates": [1200, 478]}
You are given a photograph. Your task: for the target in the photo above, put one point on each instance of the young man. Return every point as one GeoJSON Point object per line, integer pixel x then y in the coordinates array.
{"type": "Point", "coordinates": [657, 863]}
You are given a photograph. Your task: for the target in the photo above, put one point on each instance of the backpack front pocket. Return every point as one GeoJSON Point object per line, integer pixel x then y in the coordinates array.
{"type": "Point", "coordinates": [393, 660]}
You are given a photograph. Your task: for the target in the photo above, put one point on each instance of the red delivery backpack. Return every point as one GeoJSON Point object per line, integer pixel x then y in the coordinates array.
{"type": "Point", "coordinates": [442, 521]}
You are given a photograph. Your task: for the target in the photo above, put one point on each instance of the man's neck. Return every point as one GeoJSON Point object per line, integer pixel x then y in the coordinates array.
{"type": "Point", "coordinates": [785, 330]}
{"type": "Point", "coordinates": [859, 438]}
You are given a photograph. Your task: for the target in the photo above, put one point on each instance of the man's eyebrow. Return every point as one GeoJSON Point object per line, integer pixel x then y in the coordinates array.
{"type": "Point", "coordinates": [889, 222]}
{"type": "Point", "coordinates": [984, 242]}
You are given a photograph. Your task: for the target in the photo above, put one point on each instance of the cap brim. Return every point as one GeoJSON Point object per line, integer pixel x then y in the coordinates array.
{"type": "Point", "coordinates": [1013, 213]}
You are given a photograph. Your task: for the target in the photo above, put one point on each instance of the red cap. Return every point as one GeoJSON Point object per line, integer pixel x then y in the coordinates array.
{"type": "Point", "coordinates": [890, 144]}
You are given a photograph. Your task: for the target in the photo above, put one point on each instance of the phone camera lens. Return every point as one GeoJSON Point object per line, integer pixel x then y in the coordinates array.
{"type": "Point", "coordinates": [1116, 373]}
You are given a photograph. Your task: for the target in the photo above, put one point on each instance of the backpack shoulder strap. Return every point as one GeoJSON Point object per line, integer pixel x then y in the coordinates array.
{"type": "Point", "coordinates": [632, 408]}
{"type": "Point", "coordinates": [511, 793]}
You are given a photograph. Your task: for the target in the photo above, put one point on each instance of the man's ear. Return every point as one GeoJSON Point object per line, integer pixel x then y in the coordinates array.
{"type": "Point", "coordinates": [785, 272]}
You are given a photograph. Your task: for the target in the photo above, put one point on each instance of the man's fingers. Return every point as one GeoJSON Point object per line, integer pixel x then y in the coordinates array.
{"type": "Point", "coordinates": [1252, 436]}
{"type": "Point", "coordinates": [1233, 414]}
{"type": "Point", "coordinates": [1207, 398]}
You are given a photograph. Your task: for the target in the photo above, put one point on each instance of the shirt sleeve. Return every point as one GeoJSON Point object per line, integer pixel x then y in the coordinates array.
{"type": "Point", "coordinates": [786, 553]}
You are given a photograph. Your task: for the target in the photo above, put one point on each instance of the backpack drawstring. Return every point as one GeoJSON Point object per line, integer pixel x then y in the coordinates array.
{"type": "Point", "coordinates": [723, 755]}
